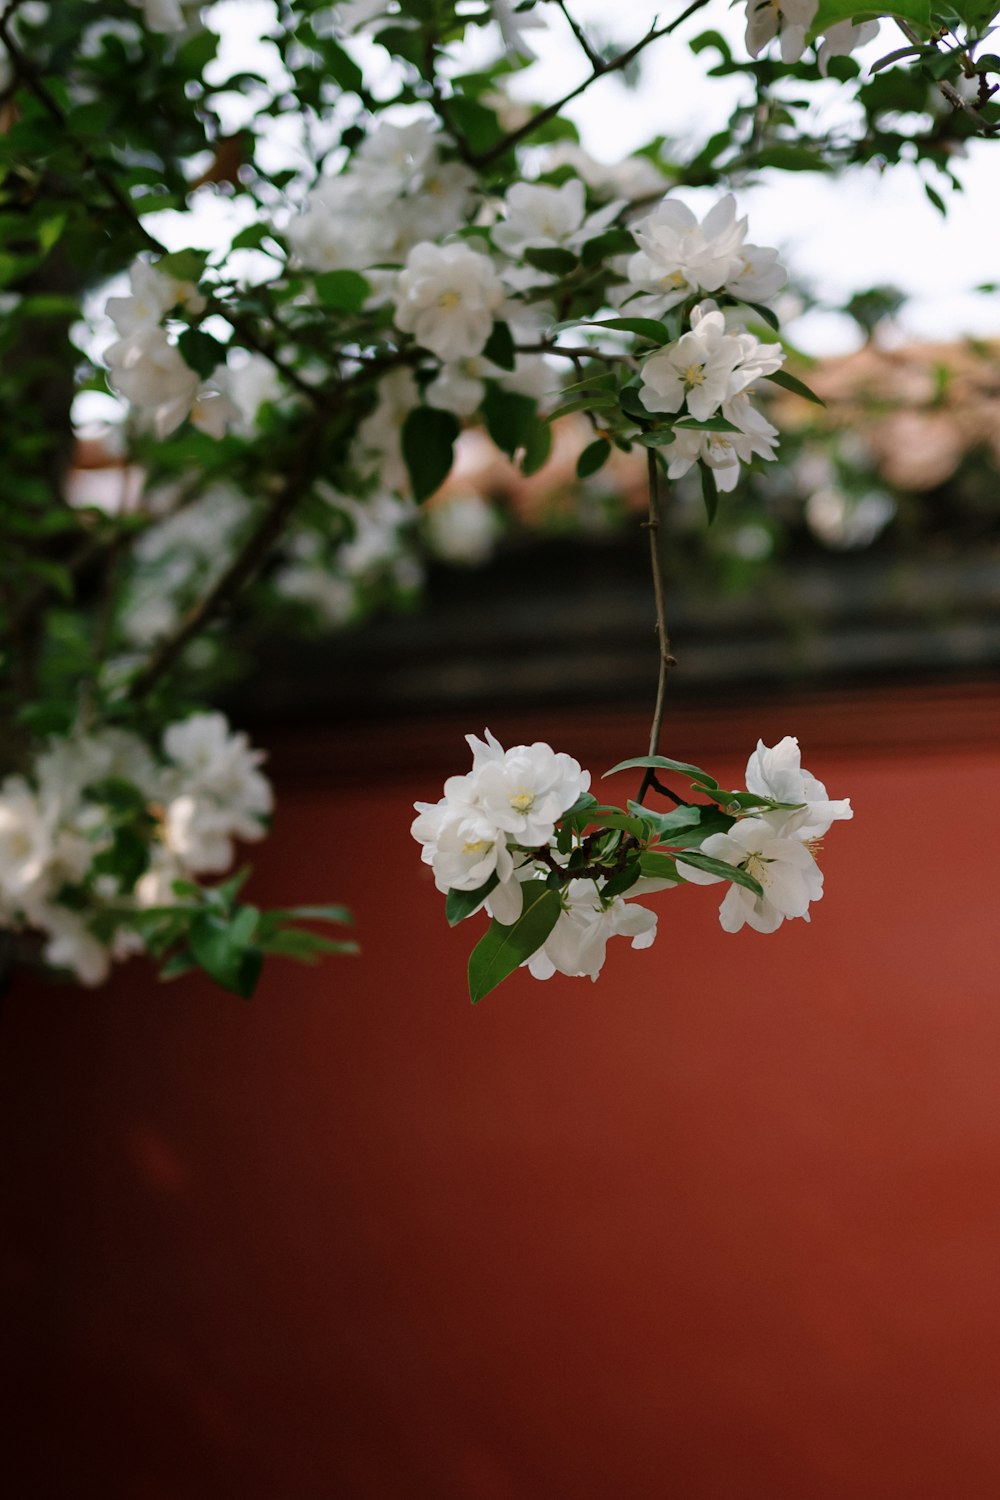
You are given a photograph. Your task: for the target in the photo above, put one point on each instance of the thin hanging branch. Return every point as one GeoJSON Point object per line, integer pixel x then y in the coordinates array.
{"type": "Point", "coordinates": [659, 594]}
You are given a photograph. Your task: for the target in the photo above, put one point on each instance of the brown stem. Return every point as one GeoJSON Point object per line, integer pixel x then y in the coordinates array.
{"type": "Point", "coordinates": [244, 565]}
{"type": "Point", "coordinates": [593, 57]}
{"type": "Point", "coordinates": [946, 89]}
{"type": "Point", "coordinates": [659, 594]}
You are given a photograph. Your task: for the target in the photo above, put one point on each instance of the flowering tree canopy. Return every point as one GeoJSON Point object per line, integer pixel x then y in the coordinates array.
{"type": "Point", "coordinates": [411, 246]}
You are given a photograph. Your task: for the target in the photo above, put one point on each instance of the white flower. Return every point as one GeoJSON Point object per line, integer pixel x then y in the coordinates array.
{"type": "Point", "coordinates": [759, 275]}
{"type": "Point", "coordinates": [577, 944]}
{"type": "Point", "coordinates": [165, 15]}
{"type": "Point", "coordinates": [679, 255]}
{"type": "Point", "coordinates": [148, 370]}
{"type": "Point", "coordinates": [509, 796]}
{"type": "Point", "coordinates": [154, 294]}
{"type": "Point", "coordinates": [461, 529]}
{"type": "Point", "coordinates": [398, 155]}
{"type": "Point", "coordinates": [212, 411]}
{"type": "Point", "coordinates": [776, 772]}
{"type": "Point", "coordinates": [330, 235]}
{"type": "Point", "coordinates": [459, 386]}
{"type": "Point", "coordinates": [379, 439]}
{"type": "Point", "coordinates": [544, 217]}
{"type": "Point", "coordinates": [447, 297]}
{"type": "Point", "coordinates": [789, 19]}
{"type": "Point", "coordinates": [525, 792]}
{"type": "Point", "coordinates": [213, 791]}
{"type": "Point", "coordinates": [513, 24]}
{"type": "Point", "coordinates": [843, 38]}
{"type": "Point", "coordinates": [783, 866]}
{"type": "Point", "coordinates": [28, 844]}
{"type": "Point", "coordinates": [697, 370]}
{"type": "Point", "coordinates": [215, 761]}
{"type": "Point", "coordinates": [198, 834]}
{"type": "Point", "coordinates": [72, 946]}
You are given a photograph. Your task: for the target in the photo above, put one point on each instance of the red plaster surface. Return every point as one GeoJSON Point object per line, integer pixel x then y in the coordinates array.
{"type": "Point", "coordinates": [725, 1226]}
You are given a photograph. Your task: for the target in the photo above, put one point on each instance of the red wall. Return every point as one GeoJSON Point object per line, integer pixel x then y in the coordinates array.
{"type": "Point", "coordinates": [724, 1226]}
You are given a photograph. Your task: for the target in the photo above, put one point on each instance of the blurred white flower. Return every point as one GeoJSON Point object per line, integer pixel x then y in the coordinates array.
{"type": "Point", "coordinates": [447, 297]}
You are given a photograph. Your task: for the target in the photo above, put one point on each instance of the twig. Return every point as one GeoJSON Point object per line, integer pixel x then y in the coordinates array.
{"type": "Point", "coordinates": [242, 568]}
{"type": "Point", "coordinates": [593, 57]}
{"type": "Point", "coordinates": [946, 89]}
{"type": "Point", "coordinates": [599, 70]}
{"type": "Point", "coordinates": [663, 639]}
{"type": "Point", "coordinates": [584, 351]}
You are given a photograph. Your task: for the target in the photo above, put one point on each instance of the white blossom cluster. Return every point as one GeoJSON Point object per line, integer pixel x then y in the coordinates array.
{"type": "Point", "coordinates": [201, 792]}
{"type": "Point", "coordinates": [791, 21]}
{"type": "Point", "coordinates": [496, 828]}
{"type": "Point", "coordinates": [776, 848]}
{"type": "Point", "coordinates": [146, 366]}
{"type": "Point", "coordinates": [494, 820]}
{"type": "Point", "coordinates": [707, 373]}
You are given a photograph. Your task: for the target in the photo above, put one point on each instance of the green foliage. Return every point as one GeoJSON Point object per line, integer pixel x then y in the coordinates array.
{"type": "Point", "coordinates": [503, 949]}
{"type": "Point", "coordinates": [428, 442]}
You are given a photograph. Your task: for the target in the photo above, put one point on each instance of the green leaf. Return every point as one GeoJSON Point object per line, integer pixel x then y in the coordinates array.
{"type": "Point", "coordinates": [713, 424]}
{"type": "Point", "coordinates": [345, 291]}
{"type": "Point", "coordinates": [788, 158]}
{"type": "Point", "coordinates": [221, 948]}
{"type": "Point", "coordinates": [342, 68]}
{"type": "Point", "coordinates": [830, 12]}
{"type": "Point", "coordinates": [671, 822]}
{"type": "Point", "coordinates": [503, 948]}
{"type": "Point", "coordinates": [509, 417]}
{"type": "Point", "coordinates": [183, 265]}
{"type": "Point", "coordinates": [663, 763]}
{"type": "Point", "coordinates": [600, 401]}
{"type": "Point", "coordinates": [428, 443]}
{"type": "Point", "coordinates": [201, 352]}
{"type": "Point", "coordinates": [764, 313]}
{"type": "Point", "coordinates": [582, 803]}
{"type": "Point", "coordinates": [553, 261]}
{"type": "Point", "coordinates": [252, 237]}
{"type": "Point", "coordinates": [935, 198]}
{"type": "Point", "coordinates": [499, 347]}
{"type": "Point", "coordinates": [645, 328]}
{"type": "Point", "coordinates": [623, 881]}
{"type": "Point", "coordinates": [307, 947]}
{"type": "Point", "coordinates": [339, 914]}
{"type": "Point", "coordinates": [474, 123]}
{"type": "Point", "coordinates": [537, 448]}
{"type": "Point", "coordinates": [655, 866]}
{"type": "Point", "coordinates": [611, 242]}
{"type": "Point", "coordinates": [798, 387]}
{"type": "Point", "coordinates": [725, 871]}
{"type": "Point", "coordinates": [709, 491]}
{"type": "Point", "coordinates": [461, 904]}
{"type": "Point", "coordinates": [593, 457]}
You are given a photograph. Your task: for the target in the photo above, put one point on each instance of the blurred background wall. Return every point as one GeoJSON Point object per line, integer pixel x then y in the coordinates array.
{"type": "Point", "coordinates": [724, 1226]}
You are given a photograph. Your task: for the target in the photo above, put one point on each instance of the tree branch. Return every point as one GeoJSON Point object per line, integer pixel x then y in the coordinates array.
{"type": "Point", "coordinates": [659, 594]}
{"type": "Point", "coordinates": [946, 89]}
{"type": "Point", "coordinates": [598, 70]}
{"type": "Point", "coordinates": [240, 571]}
{"type": "Point", "coordinates": [592, 55]}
